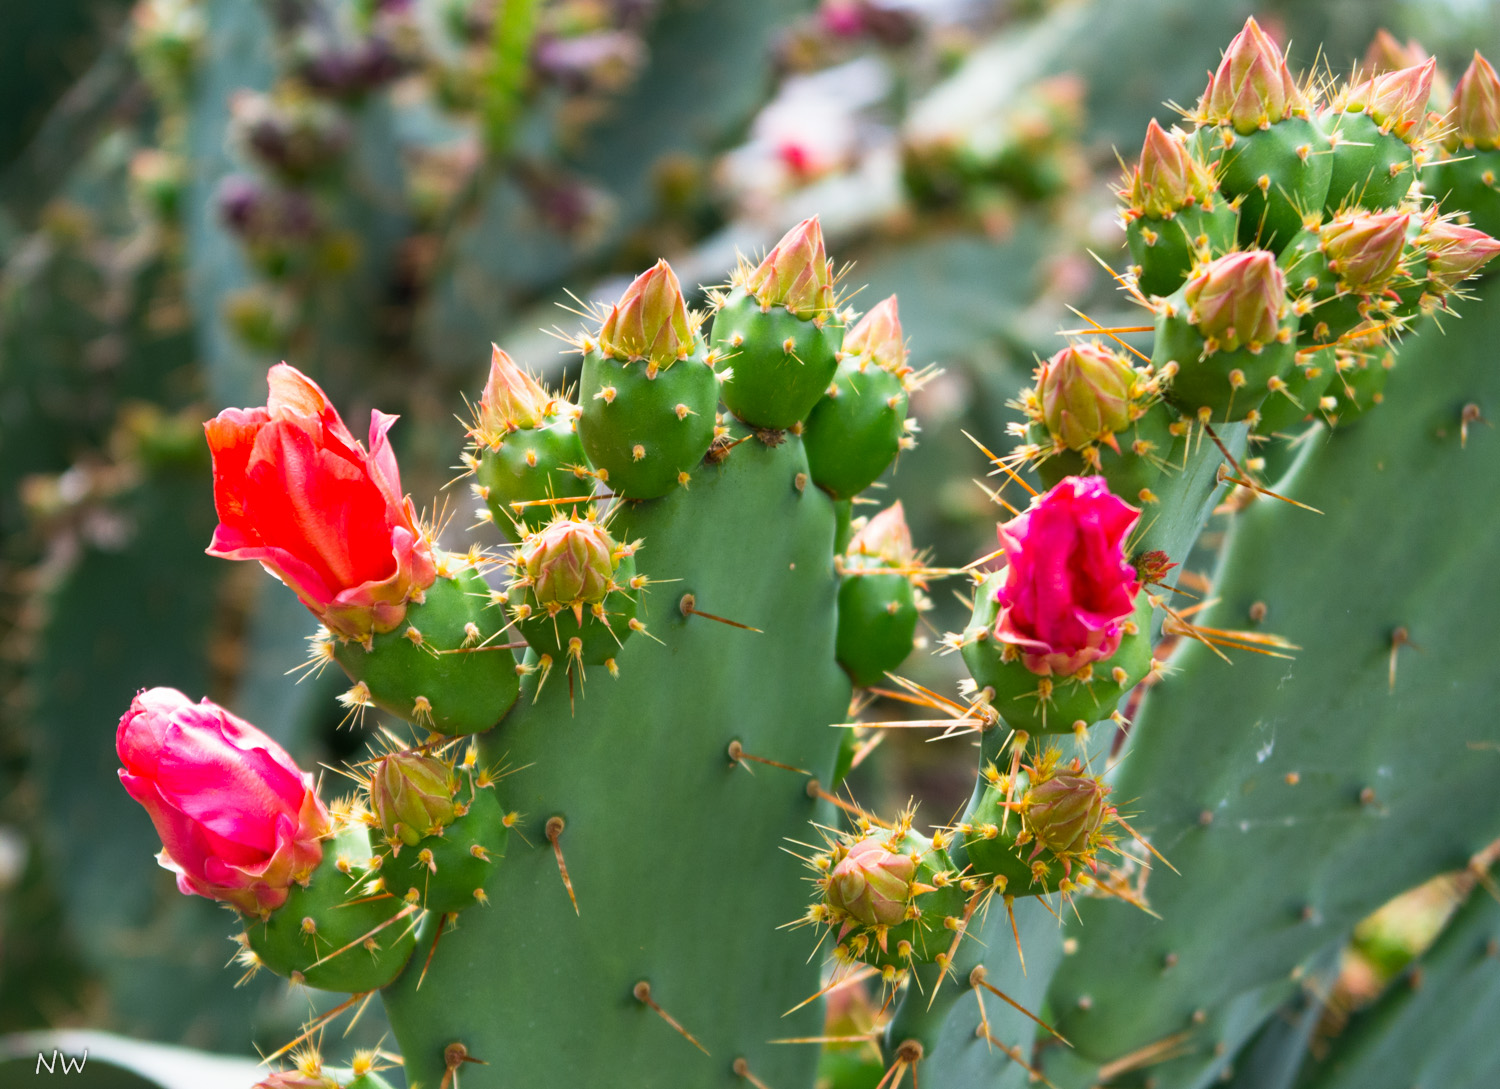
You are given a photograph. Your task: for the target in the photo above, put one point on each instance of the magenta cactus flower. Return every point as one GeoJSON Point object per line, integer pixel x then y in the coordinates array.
{"type": "Point", "coordinates": [1067, 590]}
{"type": "Point", "coordinates": [238, 820]}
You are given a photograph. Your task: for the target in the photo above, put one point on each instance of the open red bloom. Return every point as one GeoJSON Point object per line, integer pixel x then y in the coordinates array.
{"type": "Point", "coordinates": [1067, 586]}
{"type": "Point", "coordinates": [295, 491]}
{"type": "Point", "coordinates": [238, 820]}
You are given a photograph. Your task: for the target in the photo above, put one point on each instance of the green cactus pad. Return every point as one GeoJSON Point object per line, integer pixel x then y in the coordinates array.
{"type": "Point", "coordinates": [643, 431]}
{"type": "Point", "coordinates": [1360, 386]}
{"type": "Point", "coordinates": [997, 855]}
{"type": "Point", "coordinates": [1165, 250]}
{"type": "Point", "coordinates": [379, 942]}
{"type": "Point", "coordinates": [1207, 382]}
{"type": "Point", "coordinates": [1372, 169]}
{"type": "Point", "coordinates": [1144, 458]}
{"type": "Point", "coordinates": [1468, 185]}
{"type": "Point", "coordinates": [600, 636]}
{"type": "Point", "coordinates": [877, 624]}
{"type": "Point", "coordinates": [1018, 691]}
{"type": "Point", "coordinates": [444, 869]}
{"type": "Point", "coordinates": [854, 433]}
{"type": "Point", "coordinates": [1310, 377]}
{"type": "Point", "coordinates": [1282, 174]}
{"type": "Point", "coordinates": [466, 677]}
{"type": "Point", "coordinates": [532, 464]}
{"type": "Point", "coordinates": [781, 364]}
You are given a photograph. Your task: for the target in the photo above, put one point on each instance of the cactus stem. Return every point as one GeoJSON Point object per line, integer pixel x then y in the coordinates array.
{"type": "Point", "coordinates": [554, 831]}
{"type": "Point", "coordinates": [642, 992]}
{"type": "Point", "coordinates": [737, 755]}
{"type": "Point", "coordinates": [688, 606]}
{"type": "Point", "coordinates": [978, 980]}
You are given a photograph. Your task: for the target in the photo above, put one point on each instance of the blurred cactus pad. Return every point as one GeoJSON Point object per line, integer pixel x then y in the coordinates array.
{"type": "Point", "coordinates": [882, 553]}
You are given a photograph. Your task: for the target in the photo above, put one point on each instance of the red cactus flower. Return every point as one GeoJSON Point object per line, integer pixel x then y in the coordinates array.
{"type": "Point", "coordinates": [238, 820]}
{"type": "Point", "coordinates": [1067, 588]}
{"type": "Point", "coordinates": [295, 491]}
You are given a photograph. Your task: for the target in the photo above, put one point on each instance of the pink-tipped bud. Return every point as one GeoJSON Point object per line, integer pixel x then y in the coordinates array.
{"type": "Point", "coordinates": [1455, 253]}
{"type": "Point", "coordinates": [1364, 250]}
{"type": "Point", "coordinates": [650, 321]}
{"type": "Point", "coordinates": [1475, 118]}
{"type": "Point", "coordinates": [885, 537]}
{"type": "Point", "coordinates": [1237, 299]}
{"type": "Point", "coordinates": [1252, 87]}
{"type": "Point", "coordinates": [1064, 811]}
{"type": "Point", "coordinates": [412, 796]}
{"type": "Point", "coordinates": [1396, 101]}
{"type": "Point", "coordinates": [511, 398]}
{"type": "Point", "coordinates": [569, 562]}
{"type": "Point", "coordinates": [878, 335]}
{"type": "Point", "coordinates": [872, 885]}
{"type": "Point", "coordinates": [311, 1078]}
{"type": "Point", "coordinates": [1169, 177]}
{"type": "Point", "coordinates": [796, 273]}
{"type": "Point", "coordinates": [1388, 54]}
{"type": "Point", "coordinates": [1085, 394]}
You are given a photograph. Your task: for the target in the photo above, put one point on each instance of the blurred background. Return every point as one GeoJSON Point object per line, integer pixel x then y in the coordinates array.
{"type": "Point", "coordinates": [376, 190]}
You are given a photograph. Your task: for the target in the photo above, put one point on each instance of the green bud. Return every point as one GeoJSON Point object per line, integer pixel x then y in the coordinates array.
{"type": "Point", "coordinates": [1085, 394]}
{"type": "Point", "coordinates": [1064, 811]}
{"type": "Point", "coordinates": [872, 885]}
{"type": "Point", "coordinates": [569, 562]}
{"type": "Point", "coordinates": [650, 321]}
{"type": "Point", "coordinates": [412, 795]}
{"type": "Point", "coordinates": [796, 273]}
{"type": "Point", "coordinates": [1237, 299]}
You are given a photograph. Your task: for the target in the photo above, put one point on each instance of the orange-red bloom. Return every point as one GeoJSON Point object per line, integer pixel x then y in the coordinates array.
{"type": "Point", "coordinates": [295, 491]}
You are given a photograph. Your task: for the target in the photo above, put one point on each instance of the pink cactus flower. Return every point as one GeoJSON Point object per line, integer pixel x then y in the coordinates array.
{"type": "Point", "coordinates": [1067, 589]}
{"type": "Point", "coordinates": [295, 491]}
{"type": "Point", "coordinates": [238, 820]}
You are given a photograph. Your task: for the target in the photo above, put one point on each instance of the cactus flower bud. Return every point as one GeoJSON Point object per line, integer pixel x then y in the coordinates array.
{"type": "Point", "coordinates": [1475, 118]}
{"type": "Point", "coordinates": [512, 398]}
{"type": "Point", "coordinates": [1237, 299]}
{"type": "Point", "coordinates": [1085, 394]}
{"type": "Point", "coordinates": [1387, 53]}
{"type": "Point", "coordinates": [411, 795]}
{"type": "Point", "coordinates": [650, 321]}
{"type": "Point", "coordinates": [312, 1078]}
{"type": "Point", "coordinates": [238, 820]}
{"type": "Point", "coordinates": [1169, 177]}
{"type": "Point", "coordinates": [1064, 811]}
{"type": "Point", "coordinates": [878, 335]}
{"type": "Point", "coordinates": [295, 491]}
{"type": "Point", "coordinates": [1365, 249]}
{"type": "Point", "coordinates": [1396, 101]}
{"type": "Point", "coordinates": [796, 273]}
{"type": "Point", "coordinates": [1252, 88]}
{"type": "Point", "coordinates": [569, 561]}
{"type": "Point", "coordinates": [871, 884]}
{"type": "Point", "coordinates": [1067, 588]}
{"type": "Point", "coordinates": [1455, 253]}
{"type": "Point", "coordinates": [886, 537]}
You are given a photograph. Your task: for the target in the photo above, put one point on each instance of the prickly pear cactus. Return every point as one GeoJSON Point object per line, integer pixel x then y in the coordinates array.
{"type": "Point", "coordinates": [629, 705]}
